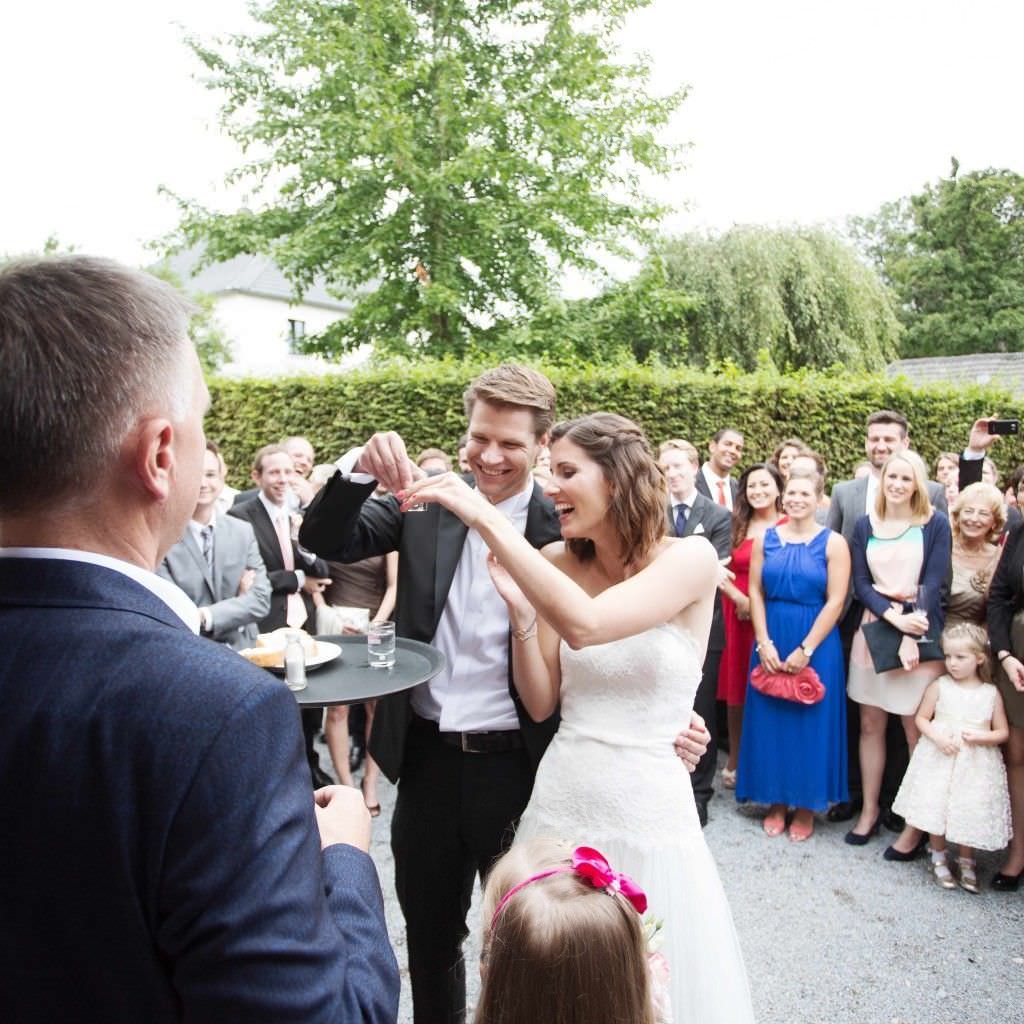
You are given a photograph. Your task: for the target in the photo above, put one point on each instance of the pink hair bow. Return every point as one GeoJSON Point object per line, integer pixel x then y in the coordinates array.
{"type": "Point", "coordinates": [592, 866]}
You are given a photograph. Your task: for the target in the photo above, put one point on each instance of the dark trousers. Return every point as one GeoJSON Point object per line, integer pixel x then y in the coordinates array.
{"type": "Point", "coordinates": [897, 756]}
{"type": "Point", "coordinates": [453, 817]}
{"type": "Point", "coordinates": [705, 704]}
{"type": "Point", "coordinates": [312, 719]}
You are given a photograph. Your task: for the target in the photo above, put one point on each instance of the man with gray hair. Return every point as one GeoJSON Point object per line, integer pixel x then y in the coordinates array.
{"type": "Point", "coordinates": [160, 857]}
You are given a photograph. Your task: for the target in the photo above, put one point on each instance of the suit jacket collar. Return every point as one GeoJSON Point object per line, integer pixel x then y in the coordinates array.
{"type": "Point", "coordinates": [60, 583]}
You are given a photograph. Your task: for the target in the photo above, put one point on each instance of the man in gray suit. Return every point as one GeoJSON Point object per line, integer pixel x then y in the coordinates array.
{"type": "Point", "coordinates": [887, 434]}
{"type": "Point", "coordinates": [217, 564]}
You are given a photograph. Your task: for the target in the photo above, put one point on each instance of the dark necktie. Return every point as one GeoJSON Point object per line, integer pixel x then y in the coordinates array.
{"type": "Point", "coordinates": [207, 535]}
{"type": "Point", "coordinates": [682, 513]}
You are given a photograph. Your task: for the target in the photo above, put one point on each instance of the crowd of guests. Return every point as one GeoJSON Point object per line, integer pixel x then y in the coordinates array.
{"type": "Point", "coordinates": [809, 574]}
{"type": "Point", "coordinates": [856, 587]}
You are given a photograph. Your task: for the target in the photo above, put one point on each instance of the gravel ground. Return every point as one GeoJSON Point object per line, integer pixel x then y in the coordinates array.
{"type": "Point", "coordinates": [832, 934]}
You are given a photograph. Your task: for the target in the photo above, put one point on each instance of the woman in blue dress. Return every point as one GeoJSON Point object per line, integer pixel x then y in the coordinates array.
{"type": "Point", "coordinates": [794, 755]}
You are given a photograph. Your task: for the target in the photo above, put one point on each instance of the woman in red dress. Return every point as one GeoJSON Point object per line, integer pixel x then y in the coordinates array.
{"type": "Point", "coordinates": [758, 505]}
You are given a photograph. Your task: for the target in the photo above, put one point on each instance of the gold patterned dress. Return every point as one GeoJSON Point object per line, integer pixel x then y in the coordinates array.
{"type": "Point", "coordinates": [968, 592]}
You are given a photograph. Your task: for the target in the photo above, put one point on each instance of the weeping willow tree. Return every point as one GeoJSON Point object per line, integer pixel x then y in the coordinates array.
{"type": "Point", "coordinates": [802, 295]}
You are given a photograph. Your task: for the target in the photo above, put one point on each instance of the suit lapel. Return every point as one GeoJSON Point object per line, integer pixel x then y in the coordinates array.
{"type": "Point", "coordinates": [197, 556]}
{"type": "Point", "coordinates": [451, 535]}
{"type": "Point", "coordinates": [267, 536]}
{"type": "Point", "coordinates": [696, 515]}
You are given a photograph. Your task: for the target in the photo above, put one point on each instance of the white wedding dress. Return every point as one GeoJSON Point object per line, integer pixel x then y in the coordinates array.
{"type": "Point", "coordinates": [611, 779]}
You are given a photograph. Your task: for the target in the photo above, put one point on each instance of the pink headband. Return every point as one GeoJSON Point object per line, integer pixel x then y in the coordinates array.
{"type": "Point", "coordinates": [593, 868]}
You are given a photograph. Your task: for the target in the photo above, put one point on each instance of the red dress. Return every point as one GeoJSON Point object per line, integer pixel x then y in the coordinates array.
{"type": "Point", "coordinates": [734, 670]}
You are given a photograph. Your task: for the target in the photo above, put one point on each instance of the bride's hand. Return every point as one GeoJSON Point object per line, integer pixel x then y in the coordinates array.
{"type": "Point", "coordinates": [449, 490]}
{"type": "Point", "coordinates": [692, 743]}
{"type": "Point", "coordinates": [518, 606]}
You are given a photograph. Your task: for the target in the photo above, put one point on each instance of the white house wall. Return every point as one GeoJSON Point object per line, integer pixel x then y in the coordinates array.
{"type": "Point", "coordinates": [257, 328]}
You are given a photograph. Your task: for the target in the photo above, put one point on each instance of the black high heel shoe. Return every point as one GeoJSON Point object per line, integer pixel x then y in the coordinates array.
{"type": "Point", "coordinates": [891, 853]}
{"type": "Point", "coordinates": [857, 839]}
{"type": "Point", "coordinates": [1007, 883]}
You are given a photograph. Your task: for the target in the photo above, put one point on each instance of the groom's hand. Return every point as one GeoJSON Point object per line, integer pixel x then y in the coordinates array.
{"type": "Point", "coordinates": [692, 743]}
{"type": "Point", "coordinates": [342, 817]}
{"type": "Point", "coordinates": [385, 459]}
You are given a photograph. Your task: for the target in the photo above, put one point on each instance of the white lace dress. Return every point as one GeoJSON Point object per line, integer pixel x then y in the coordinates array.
{"type": "Point", "coordinates": [961, 796]}
{"type": "Point", "coordinates": [611, 779]}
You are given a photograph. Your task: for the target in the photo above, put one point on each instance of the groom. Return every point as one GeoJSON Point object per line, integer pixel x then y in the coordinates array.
{"type": "Point", "coordinates": [461, 746]}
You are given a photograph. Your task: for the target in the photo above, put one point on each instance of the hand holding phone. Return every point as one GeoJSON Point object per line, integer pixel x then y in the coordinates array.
{"type": "Point", "coordinates": [1003, 426]}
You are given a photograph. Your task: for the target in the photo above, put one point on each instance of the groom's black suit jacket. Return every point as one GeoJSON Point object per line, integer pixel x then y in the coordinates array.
{"type": "Point", "coordinates": [342, 525]}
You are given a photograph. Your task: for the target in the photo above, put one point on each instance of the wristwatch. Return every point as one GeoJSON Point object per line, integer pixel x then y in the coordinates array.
{"type": "Point", "coordinates": [807, 650]}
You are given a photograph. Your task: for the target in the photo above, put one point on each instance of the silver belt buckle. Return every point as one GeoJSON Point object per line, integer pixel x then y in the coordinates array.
{"type": "Point", "coordinates": [465, 739]}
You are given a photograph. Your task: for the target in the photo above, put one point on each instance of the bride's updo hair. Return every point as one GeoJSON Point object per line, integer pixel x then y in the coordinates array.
{"type": "Point", "coordinates": [639, 496]}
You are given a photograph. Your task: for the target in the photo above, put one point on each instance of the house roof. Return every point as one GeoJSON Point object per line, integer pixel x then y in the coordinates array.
{"type": "Point", "coordinates": [249, 275]}
{"type": "Point", "coordinates": [1005, 369]}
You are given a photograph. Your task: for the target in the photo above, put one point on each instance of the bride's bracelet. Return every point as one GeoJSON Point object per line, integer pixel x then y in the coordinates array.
{"type": "Point", "coordinates": [528, 633]}
{"type": "Point", "coordinates": [761, 647]}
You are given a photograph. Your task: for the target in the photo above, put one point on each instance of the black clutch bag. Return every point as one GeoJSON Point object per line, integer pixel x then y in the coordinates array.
{"type": "Point", "coordinates": [883, 643]}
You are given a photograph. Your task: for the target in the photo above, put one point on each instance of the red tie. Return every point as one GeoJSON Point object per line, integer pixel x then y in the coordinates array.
{"type": "Point", "coordinates": [721, 492]}
{"type": "Point", "coordinates": [295, 613]}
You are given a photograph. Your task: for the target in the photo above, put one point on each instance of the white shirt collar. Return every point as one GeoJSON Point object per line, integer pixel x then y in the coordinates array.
{"type": "Point", "coordinates": [518, 503]}
{"type": "Point", "coordinates": [711, 475]}
{"type": "Point", "coordinates": [197, 528]}
{"type": "Point", "coordinates": [687, 501]}
{"type": "Point", "coordinates": [166, 591]}
{"type": "Point", "coordinates": [275, 512]}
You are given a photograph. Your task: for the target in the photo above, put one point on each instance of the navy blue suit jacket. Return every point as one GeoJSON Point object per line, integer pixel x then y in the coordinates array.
{"type": "Point", "coordinates": [159, 858]}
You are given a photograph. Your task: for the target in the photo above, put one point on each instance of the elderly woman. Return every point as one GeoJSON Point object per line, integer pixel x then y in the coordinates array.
{"type": "Point", "coordinates": [1006, 634]}
{"type": "Point", "coordinates": [977, 518]}
{"type": "Point", "coordinates": [900, 548]}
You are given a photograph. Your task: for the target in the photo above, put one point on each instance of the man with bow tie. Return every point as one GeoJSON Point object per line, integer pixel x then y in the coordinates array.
{"type": "Point", "coordinates": [691, 513]}
{"type": "Point", "coordinates": [217, 564]}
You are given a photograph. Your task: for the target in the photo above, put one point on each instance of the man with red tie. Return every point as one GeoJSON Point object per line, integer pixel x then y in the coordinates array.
{"type": "Point", "coordinates": [714, 480]}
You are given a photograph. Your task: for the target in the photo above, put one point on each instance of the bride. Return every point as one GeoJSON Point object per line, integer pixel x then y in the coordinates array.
{"type": "Point", "coordinates": [612, 623]}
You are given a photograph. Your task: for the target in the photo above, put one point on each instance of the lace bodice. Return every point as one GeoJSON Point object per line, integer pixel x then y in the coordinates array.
{"type": "Point", "coordinates": [965, 708]}
{"type": "Point", "coordinates": [633, 692]}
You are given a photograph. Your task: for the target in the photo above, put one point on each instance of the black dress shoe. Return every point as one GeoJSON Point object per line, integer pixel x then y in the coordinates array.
{"type": "Point", "coordinates": [842, 811]}
{"type": "Point", "coordinates": [356, 755]}
{"type": "Point", "coordinates": [892, 821]}
{"type": "Point", "coordinates": [858, 839]}
{"type": "Point", "coordinates": [702, 812]}
{"type": "Point", "coordinates": [1007, 883]}
{"type": "Point", "coordinates": [320, 777]}
{"type": "Point", "coordinates": [891, 853]}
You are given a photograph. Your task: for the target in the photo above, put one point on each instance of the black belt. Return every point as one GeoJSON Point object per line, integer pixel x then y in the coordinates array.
{"type": "Point", "coordinates": [497, 741]}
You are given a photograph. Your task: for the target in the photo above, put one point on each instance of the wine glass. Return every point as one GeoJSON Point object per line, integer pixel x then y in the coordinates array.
{"type": "Point", "coordinates": [919, 605]}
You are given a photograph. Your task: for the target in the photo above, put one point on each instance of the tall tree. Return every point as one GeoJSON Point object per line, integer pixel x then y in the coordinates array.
{"type": "Point", "coordinates": [954, 256]}
{"type": "Point", "coordinates": [801, 294]}
{"type": "Point", "coordinates": [436, 161]}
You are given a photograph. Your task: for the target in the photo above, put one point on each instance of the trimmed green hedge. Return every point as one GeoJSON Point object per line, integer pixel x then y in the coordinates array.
{"type": "Point", "coordinates": [423, 402]}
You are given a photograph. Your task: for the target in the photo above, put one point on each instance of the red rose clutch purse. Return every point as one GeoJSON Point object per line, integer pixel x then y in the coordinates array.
{"type": "Point", "coordinates": [803, 687]}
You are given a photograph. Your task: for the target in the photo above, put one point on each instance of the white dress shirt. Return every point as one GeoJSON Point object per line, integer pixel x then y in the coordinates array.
{"type": "Point", "coordinates": [711, 478]}
{"type": "Point", "coordinates": [166, 591]}
{"type": "Point", "coordinates": [871, 494]}
{"type": "Point", "coordinates": [471, 694]}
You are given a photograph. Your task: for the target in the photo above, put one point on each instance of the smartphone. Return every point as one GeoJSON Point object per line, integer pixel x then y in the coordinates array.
{"type": "Point", "coordinates": [1003, 426]}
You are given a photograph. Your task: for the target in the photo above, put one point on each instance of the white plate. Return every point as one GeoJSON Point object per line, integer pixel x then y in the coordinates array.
{"type": "Point", "coordinates": [325, 652]}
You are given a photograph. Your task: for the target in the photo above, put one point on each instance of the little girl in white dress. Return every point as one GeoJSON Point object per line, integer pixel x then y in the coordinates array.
{"type": "Point", "coordinates": [955, 787]}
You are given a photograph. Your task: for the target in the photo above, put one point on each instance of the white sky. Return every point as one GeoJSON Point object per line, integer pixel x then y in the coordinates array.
{"type": "Point", "coordinates": [800, 111]}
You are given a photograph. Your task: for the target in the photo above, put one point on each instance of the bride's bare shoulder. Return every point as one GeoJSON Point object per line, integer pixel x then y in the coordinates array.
{"type": "Point", "coordinates": [695, 550]}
